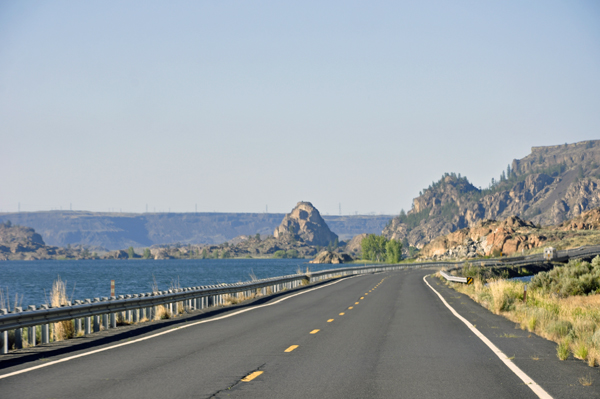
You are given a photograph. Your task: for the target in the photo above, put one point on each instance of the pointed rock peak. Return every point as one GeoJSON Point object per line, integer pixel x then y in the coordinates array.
{"type": "Point", "coordinates": [305, 223]}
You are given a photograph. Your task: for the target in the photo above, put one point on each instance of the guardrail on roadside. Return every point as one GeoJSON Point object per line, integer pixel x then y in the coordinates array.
{"type": "Point", "coordinates": [101, 313]}
{"type": "Point", "coordinates": [453, 278]}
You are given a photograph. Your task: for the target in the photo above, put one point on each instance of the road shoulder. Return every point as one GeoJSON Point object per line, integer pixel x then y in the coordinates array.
{"type": "Point", "coordinates": [534, 355]}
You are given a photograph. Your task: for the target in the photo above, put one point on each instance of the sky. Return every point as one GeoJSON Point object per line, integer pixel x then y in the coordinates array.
{"type": "Point", "coordinates": [244, 106]}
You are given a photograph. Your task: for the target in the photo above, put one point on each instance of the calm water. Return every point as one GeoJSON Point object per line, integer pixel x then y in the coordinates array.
{"type": "Point", "coordinates": [32, 280]}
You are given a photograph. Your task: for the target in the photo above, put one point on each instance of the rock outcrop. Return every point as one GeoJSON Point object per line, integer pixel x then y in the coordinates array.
{"type": "Point", "coordinates": [549, 186]}
{"type": "Point", "coordinates": [331, 257]}
{"type": "Point", "coordinates": [513, 236]}
{"type": "Point", "coordinates": [23, 243]}
{"type": "Point", "coordinates": [305, 223]}
{"type": "Point", "coordinates": [354, 246]}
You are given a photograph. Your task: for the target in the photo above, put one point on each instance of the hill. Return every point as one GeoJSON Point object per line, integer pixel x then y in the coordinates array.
{"type": "Point", "coordinates": [547, 187]}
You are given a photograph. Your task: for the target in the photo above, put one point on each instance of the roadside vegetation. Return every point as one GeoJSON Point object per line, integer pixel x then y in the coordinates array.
{"type": "Point", "coordinates": [380, 249]}
{"type": "Point", "coordinates": [562, 305]}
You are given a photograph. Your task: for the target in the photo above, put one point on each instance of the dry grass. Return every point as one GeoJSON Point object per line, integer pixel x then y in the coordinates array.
{"type": "Point", "coordinates": [58, 297]}
{"type": "Point", "coordinates": [234, 299]}
{"type": "Point", "coordinates": [161, 313]}
{"type": "Point", "coordinates": [572, 322]}
{"type": "Point", "coordinates": [586, 381]}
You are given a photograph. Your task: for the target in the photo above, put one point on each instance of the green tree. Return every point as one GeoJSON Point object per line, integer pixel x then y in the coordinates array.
{"type": "Point", "coordinates": [279, 254]}
{"type": "Point", "coordinates": [373, 247]}
{"type": "Point", "coordinates": [257, 236]}
{"type": "Point", "coordinates": [336, 243]}
{"type": "Point", "coordinates": [147, 253]}
{"type": "Point", "coordinates": [393, 251]}
{"type": "Point", "coordinates": [204, 253]}
{"type": "Point", "coordinates": [130, 252]}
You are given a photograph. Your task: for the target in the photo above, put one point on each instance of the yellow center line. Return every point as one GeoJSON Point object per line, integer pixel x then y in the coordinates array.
{"type": "Point", "coordinates": [291, 348]}
{"type": "Point", "coordinates": [366, 293]}
{"type": "Point", "coordinates": [329, 321]}
{"type": "Point", "coordinates": [341, 314]}
{"type": "Point", "coordinates": [314, 331]}
{"type": "Point", "coordinates": [350, 307]}
{"type": "Point", "coordinates": [362, 297]}
{"type": "Point", "coordinates": [252, 376]}
{"type": "Point", "coordinates": [356, 303]}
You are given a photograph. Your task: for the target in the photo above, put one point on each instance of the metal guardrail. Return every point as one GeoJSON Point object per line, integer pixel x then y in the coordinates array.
{"type": "Point", "coordinates": [536, 259]}
{"type": "Point", "coordinates": [102, 312]}
{"type": "Point", "coordinates": [453, 278]}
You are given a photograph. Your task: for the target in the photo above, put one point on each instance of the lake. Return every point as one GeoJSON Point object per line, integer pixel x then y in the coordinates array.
{"type": "Point", "coordinates": [32, 280]}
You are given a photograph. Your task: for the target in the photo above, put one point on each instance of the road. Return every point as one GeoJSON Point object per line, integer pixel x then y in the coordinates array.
{"type": "Point", "coordinates": [375, 336]}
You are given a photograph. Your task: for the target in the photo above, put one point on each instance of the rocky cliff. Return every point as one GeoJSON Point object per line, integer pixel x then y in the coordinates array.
{"type": "Point", "coordinates": [547, 187]}
{"type": "Point", "coordinates": [23, 243]}
{"type": "Point", "coordinates": [305, 223]}
{"type": "Point", "coordinates": [514, 236]}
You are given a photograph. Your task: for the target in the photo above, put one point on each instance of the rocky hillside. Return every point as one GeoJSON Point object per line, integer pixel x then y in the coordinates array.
{"type": "Point", "coordinates": [549, 186]}
{"type": "Point", "coordinates": [514, 236]}
{"type": "Point", "coordinates": [23, 243]}
{"type": "Point", "coordinates": [305, 223]}
{"type": "Point", "coordinates": [121, 230]}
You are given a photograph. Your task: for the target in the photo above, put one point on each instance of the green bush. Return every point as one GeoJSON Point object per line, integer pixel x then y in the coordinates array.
{"type": "Point", "coordinates": [575, 278]}
{"type": "Point", "coordinates": [292, 254]}
{"type": "Point", "coordinates": [559, 328]}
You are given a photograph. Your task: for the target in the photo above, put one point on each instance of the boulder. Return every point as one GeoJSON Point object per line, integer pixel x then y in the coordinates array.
{"type": "Point", "coordinates": [354, 246]}
{"type": "Point", "coordinates": [331, 257]}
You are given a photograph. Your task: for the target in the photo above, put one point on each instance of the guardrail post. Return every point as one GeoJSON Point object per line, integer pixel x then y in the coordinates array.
{"type": "Point", "coordinates": [4, 348]}
{"type": "Point", "coordinates": [128, 312]}
{"type": "Point", "coordinates": [45, 329]}
{"type": "Point", "coordinates": [18, 332]}
{"type": "Point", "coordinates": [96, 318]}
{"type": "Point", "coordinates": [105, 315]}
{"type": "Point", "coordinates": [77, 321]}
{"type": "Point", "coordinates": [87, 322]}
{"type": "Point", "coordinates": [31, 330]}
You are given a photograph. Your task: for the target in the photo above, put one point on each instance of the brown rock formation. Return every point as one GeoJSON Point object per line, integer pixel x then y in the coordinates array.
{"type": "Point", "coordinates": [331, 257]}
{"type": "Point", "coordinates": [549, 186]}
{"type": "Point", "coordinates": [305, 223]}
{"type": "Point", "coordinates": [354, 246]}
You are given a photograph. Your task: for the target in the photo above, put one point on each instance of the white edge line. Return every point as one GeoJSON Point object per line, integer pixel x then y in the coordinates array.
{"type": "Point", "coordinates": [66, 359]}
{"type": "Point", "coordinates": [538, 390]}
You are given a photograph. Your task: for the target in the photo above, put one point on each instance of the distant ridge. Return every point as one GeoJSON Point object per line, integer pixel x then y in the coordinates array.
{"type": "Point", "coordinates": [121, 230]}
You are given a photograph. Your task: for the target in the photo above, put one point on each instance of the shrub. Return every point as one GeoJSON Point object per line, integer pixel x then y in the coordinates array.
{"type": "Point", "coordinates": [581, 351]}
{"type": "Point", "coordinates": [562, 350]}
{"type": "Point", "coordinates": [596, 339]}
{"type": "Point", "coordinates": [575, 278]}
{"type": "Point", "coordinates": [559, 328]}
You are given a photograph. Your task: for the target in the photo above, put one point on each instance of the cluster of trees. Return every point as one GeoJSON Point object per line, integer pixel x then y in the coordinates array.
{"type": "Point", "coordinates": [290, 254]}
{"type": "Point", "coordinates": [379, 248]}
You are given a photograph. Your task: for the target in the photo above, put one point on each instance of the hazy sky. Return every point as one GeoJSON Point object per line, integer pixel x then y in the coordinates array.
{"type": "Point", "coordinates": [235, 105]}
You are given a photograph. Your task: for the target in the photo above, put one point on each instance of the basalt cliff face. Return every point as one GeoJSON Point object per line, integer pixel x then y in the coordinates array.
{"type": "Point", "coordinates": [305, 223]}
{"type": "Point", "coordinates": [514, 236]}
{"type": "Point", "coordinates": [547, 187]}
{"type": "Point", "coordinates": [23, 243]}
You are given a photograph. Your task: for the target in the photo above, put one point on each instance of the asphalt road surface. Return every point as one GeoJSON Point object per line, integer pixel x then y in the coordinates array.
{"type": "Point", "coordinates": [383, 335]}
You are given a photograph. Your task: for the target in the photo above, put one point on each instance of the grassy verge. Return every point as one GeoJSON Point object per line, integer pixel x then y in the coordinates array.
{"type": "Point", "coordinates": [563, 305]}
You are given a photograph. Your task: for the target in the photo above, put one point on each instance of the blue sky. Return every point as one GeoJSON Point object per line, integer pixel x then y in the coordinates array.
{"type": "Point", "coordinates": [235, 105]}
